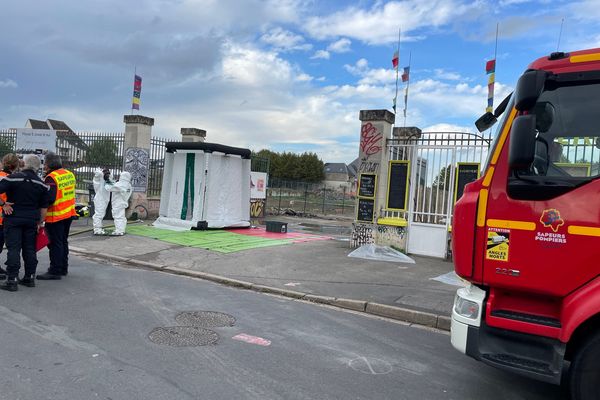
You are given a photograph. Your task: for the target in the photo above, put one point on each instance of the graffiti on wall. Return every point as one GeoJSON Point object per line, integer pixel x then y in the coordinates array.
{"type": "Point", "coordinates": [370, 139]}
{"type": "Point", "coordinates": [257, 208]}
{"type": "Point", "coordinates": [391, 236]}
{"type": "Point", "coordinates": [137, 162]}
{"type": "Point", "coordinates": [361, 234]}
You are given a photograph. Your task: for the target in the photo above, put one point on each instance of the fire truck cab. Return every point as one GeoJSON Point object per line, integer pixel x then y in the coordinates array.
{"type": "Point", "coordinates": [526, 235]}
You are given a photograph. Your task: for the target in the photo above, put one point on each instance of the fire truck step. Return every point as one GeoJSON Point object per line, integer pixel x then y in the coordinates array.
{"type": "Point", "coordinates": [531, 318]}
{"type": "Point", "coordinates": [520, 363]}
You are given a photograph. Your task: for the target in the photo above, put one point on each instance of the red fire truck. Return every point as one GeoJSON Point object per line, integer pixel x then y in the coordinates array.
{"type": "Point", "coordinates": [527, 233]}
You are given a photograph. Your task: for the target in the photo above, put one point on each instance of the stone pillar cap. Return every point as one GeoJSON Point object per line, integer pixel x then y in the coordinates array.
{"type": "Point", "coordinates": [377, 115]}
{"type": "Point", "coordinates": [138, 119]}
{"type": "Point", "coordinates": [406, 132]}
{"type": "Point", "coordinates": [193, 132]}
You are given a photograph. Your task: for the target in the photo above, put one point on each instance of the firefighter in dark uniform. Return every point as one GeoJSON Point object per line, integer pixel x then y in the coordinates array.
{"type": "Point", "coordinates": [24, 212]}
{"type": "Point", "coordinates": [59, 217]}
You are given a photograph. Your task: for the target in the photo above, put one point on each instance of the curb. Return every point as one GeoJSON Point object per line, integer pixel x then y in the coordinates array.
{"type": "Point", "coordinates": [441, 322]}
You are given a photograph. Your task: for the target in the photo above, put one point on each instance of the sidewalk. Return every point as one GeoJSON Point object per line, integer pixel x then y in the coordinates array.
{"type": "Point", "coordinates": [315, 268]}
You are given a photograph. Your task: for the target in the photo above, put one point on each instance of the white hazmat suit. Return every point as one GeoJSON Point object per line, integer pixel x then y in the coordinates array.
{"type": "Point", "coordinates": [101, 200]}
{"type": "Point", "coordinates": [121, 192]}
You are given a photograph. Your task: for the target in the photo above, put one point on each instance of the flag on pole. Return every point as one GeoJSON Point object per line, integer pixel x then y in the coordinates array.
{"type": "Point", "coordinates": [406, 74]}
{"type": "Point", "coordinates": [137, 91]}
{"type": "Point", "coordinates": [490, 69]}
{"type": "Point", "coordinates": [395, 60]}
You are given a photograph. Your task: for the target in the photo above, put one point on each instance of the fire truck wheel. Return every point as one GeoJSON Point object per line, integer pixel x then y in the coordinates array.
{"type": "Point", "coordinates": [584, 373]}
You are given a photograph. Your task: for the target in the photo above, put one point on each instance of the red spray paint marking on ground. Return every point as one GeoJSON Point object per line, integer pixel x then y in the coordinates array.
{"type": "Point", "coordinates": [296, 237]}
{"type": "Point", "coordinates": [252, 339]}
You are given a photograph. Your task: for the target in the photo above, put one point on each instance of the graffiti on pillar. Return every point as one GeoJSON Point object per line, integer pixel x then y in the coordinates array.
{"type": "Point", "coordinates": [257, 208]}
{"type": "Point", "coordinates": [361, 234]}
{"type": "Point", "coordinates": [370, 139]}
{"type": "Point", "coordinates": [368, 166]}
{"type": "Point", "coordinates": [137, 162]}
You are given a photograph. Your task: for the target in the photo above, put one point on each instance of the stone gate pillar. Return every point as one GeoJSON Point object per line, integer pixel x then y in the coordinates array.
{"type": "Point", "coordinates": [136, 160]}
{"type": "Point", "coordinates": [375, 129]}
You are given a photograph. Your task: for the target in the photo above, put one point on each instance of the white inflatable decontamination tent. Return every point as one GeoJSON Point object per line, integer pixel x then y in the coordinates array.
{"type": "Point", "coordinates": [205, 185]}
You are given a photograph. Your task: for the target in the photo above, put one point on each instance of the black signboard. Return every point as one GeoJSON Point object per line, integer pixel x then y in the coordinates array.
{"type": "Point", "coordinates": [465, 173]}
{"type": "Point", "coordinates": [365, 210]}
{"type": "Point", "coordinates": [366, 185]}
{"type": "Point", "coordinates": [398, 185]}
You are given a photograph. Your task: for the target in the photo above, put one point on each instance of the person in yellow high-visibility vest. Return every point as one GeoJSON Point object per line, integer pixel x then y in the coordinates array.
{"type": "Point", "coordinates": [59, 216]}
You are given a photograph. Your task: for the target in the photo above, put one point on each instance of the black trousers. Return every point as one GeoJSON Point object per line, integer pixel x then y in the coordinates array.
{"type": "Point", "coordinates": [20, 237]}
{"type": "Point", "coordinates": [58, 233]}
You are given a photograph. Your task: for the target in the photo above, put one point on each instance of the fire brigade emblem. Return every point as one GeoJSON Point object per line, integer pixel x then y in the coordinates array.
{"type": "Point", "coordinates": [551, 219]}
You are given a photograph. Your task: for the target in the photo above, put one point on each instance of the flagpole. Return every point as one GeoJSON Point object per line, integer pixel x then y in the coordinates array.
{"type": "Point", "coordinates": [397, 68]}
{"type": "Point", "coordinates": [407, 86]}
{"type": "Point", "coordinates": [495, 67]}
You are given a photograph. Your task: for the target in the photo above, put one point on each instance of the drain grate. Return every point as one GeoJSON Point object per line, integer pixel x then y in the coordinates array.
{"type": "Point", "coordinates": [182, 336]}
{"type": "Point", "coordinates": [205, 319]}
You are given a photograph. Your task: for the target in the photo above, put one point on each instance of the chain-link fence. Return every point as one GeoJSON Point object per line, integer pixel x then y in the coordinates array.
{"type": "Point", "coordinates": [305, 198]}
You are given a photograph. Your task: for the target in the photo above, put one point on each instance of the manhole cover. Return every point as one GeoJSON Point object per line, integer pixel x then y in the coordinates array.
{"type": "Point", "coordinates": [181, 336]}
{"type": "Point", "coordinates": [205, 319]}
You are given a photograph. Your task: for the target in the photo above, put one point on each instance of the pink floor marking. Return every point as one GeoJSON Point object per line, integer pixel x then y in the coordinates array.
{"type": "Point", "coordinates": [242, 337]}
{"type": "Point", "coordinates": [297, 237]}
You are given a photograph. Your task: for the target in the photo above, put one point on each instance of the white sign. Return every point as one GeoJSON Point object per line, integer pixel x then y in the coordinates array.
{"type": "Point", "coordinates": [258, 185]}
{"type": "Point", "coordinates": [38, 141]}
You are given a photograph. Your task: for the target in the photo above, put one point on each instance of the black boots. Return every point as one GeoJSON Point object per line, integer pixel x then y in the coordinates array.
{"type": "Point", "coordinates": [48, 277]}
{"type": "Point", "coordinates": [28, 280]}
{"type": "Point", "coordinates": [10, 285]}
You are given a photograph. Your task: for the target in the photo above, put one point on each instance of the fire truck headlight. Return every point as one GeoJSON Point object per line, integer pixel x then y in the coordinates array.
{"type": "Point", "coordinates": [466, 308]}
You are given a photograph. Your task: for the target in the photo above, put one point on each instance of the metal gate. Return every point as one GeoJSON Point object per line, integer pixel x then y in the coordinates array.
{"type": "Point", "coordinates": [434, 157]}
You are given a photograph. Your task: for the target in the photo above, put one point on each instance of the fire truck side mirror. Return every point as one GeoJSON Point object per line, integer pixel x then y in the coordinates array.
{"type": "Point", "coordinates": [521, 151]}
{"type": "Point", "coordinates": [529, 88]}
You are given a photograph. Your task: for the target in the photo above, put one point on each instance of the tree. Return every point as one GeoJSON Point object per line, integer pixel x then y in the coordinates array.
{"type": "Point", "coordinates": [299, 167]}
{"type": "Point", "coordinates": [6, 146]}
{"type": "Point", "coordinates": [102, 153]}
{"type": "Point", "coordinates": [442, 180]}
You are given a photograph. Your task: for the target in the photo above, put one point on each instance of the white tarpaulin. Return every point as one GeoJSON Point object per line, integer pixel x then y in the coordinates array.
{"type": "Point", "coordinates": [380, 253]}
{"type": "Point", "coordinates": [206, 183]}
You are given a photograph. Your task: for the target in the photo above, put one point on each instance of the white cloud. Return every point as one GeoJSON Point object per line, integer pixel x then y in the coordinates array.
{"type": "Point", "coordinates": [442, 127]}
{"type": "Point", "coordinates": [320, 54]}
{"type": "Point", "coordinates": [371, 76]}
{"type": "Point", "coordinates": [340, 46]}
{"type": "Point", "coordinates": [304, 78]}
{"type": "Point", "coordinates": [379, 24]}
{"type": "Point", "coordinates": [8, 83]}
{"type": "Point", "coordinates": [284, 40]}
{"type": "Point", "coordinates": [446, 75]}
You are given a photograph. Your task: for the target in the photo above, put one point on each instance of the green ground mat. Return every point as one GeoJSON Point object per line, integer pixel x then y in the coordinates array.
{"type": "Point", "coordinates": [214, 240]}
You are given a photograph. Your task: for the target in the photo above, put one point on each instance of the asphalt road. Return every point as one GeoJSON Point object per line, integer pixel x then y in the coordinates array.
{"type": "Point", "coordinates": [87, 337]}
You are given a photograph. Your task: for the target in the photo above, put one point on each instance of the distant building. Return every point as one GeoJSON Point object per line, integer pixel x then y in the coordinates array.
{"type": "Point", "coordinates": [68, 145]}
{"type": "Point", "coordinates": [340, 175]}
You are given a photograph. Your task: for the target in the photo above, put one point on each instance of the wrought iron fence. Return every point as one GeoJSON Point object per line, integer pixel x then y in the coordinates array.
{"type": "Point", "coordinates": [84, 152]}
{"type": "Point", "coordinates": [306, 198]}
{"type": "Point", "coordinates": [157, 166]}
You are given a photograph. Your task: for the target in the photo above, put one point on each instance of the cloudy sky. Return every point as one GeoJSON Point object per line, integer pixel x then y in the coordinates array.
{"type": "Point", "coordinates": [279, 74]}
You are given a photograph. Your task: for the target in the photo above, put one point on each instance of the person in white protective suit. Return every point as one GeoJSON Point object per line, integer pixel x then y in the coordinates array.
{"type": "Point", "coordinates": [101, 199]}
{"type": "Point", "coordinates": [121, 192]}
